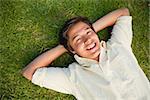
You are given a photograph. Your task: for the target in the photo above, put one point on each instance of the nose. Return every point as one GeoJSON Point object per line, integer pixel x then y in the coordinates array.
{"type": "Point", "coordinates": [88, 40]}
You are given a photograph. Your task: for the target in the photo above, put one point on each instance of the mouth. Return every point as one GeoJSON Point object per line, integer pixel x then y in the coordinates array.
{"type": "Point", "coordinates": [92, 47]}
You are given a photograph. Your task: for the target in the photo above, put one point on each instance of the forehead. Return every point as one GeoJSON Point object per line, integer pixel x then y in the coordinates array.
{"type": "Point", "coordinates": [77, 28]}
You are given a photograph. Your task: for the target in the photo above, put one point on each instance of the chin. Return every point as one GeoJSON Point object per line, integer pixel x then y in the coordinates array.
{"type": "Point", "coordinates": [94, 55]}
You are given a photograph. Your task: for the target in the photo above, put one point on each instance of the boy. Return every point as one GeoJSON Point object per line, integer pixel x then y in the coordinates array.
{"type": "Point", "coordinates": [103, 71]}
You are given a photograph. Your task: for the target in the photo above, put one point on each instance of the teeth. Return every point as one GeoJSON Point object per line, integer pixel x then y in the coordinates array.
{"type": "Point", "coordinates": [91, 46]}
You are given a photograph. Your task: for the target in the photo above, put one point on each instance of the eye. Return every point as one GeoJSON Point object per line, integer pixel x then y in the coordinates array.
{"type": "Point", "coordinates": [89, 32]}
{"type": "Point", "coordinates": [78, 40]}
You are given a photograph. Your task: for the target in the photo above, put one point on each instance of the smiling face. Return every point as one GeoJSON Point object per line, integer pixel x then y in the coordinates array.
{"type": "Point", "coordinates": [84, 41]}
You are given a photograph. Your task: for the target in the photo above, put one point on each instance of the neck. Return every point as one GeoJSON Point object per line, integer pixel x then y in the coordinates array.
{"type": "Point", "coordinates": [97, 58]}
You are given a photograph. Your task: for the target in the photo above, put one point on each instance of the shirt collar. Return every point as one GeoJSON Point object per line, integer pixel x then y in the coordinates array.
{"type": "Point", "coordinates": [88, 62]}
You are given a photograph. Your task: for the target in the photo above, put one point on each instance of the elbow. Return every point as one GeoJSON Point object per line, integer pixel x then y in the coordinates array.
{"type": "Point", "coordinates": [25, 73]}
{"type": "Point", "coordinates": [125, 11]}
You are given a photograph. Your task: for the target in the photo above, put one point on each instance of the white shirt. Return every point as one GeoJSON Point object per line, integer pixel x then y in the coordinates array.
{"type": "Point", "coordinates": [117, 75]}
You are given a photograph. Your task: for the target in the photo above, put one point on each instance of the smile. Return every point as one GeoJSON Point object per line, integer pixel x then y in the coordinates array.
{"type": "Point", "coordinates": [92, 46]}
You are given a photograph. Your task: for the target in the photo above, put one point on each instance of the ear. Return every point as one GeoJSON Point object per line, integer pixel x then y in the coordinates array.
{"type": "Point", "coordinates": [73, 52]}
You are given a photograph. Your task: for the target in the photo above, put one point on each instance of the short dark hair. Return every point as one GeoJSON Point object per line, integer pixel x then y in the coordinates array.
{"type": "Point", "coordinates": [63, 38]}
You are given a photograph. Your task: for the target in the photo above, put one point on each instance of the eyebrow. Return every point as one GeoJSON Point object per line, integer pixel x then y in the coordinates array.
{"type": "Point", "coordinates": [78, 35]}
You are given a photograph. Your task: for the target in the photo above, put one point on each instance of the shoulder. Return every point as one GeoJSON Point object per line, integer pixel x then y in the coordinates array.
{"type": "Point", "coordinates": [124, 19]}
{"type": "Point", "coordinates": [73, 65]}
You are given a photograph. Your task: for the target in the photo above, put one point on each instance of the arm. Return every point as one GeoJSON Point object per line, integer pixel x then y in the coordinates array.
{"type": "Point", "coordinates": [43, 60]}
{"type": "Point", "coordinates": [110, 19]}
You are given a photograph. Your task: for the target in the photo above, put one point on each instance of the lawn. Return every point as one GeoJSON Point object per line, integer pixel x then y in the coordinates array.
{"type": "Point", "coordinates": [30, 27]}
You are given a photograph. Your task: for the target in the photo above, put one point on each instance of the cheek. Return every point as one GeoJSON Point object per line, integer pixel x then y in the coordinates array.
{"type": "Point", "coordinates": [95, 36]}
{"type": "Point", "coordinates": [79, 48]}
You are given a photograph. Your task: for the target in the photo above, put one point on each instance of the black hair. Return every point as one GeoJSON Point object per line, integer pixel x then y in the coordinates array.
{"type": "Point", "coordinates": [63, 38]}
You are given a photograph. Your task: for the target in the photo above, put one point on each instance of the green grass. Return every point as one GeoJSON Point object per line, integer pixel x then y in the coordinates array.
{"type": "Point", "coordinates": [30, 27]}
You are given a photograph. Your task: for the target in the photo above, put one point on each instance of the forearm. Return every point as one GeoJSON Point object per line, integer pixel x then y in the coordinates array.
{"type": "Point", "coordinates": [42, 61]}
{"type": "Point", "coordinates": [110, 19]}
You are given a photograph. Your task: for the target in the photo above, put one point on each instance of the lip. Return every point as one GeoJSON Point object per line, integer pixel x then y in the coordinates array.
{"type": "Point", "coordinates": [93, 48]}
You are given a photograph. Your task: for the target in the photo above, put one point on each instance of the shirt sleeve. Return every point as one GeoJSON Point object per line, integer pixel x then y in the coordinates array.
{"type": "Point", "coordinates": [122, 31]}
{"type": "Point", "coordinates": [53, 78]}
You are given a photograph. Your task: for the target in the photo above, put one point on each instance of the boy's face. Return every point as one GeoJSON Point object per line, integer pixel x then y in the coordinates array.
{"type": "Point", "coordinates": [84, 41]}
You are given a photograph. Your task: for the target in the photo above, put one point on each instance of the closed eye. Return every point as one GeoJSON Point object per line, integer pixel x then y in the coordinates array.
{"type": "Point", "coordinates": [89, 32]}
{"type": "Point", "coordinates": [78, 40]}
